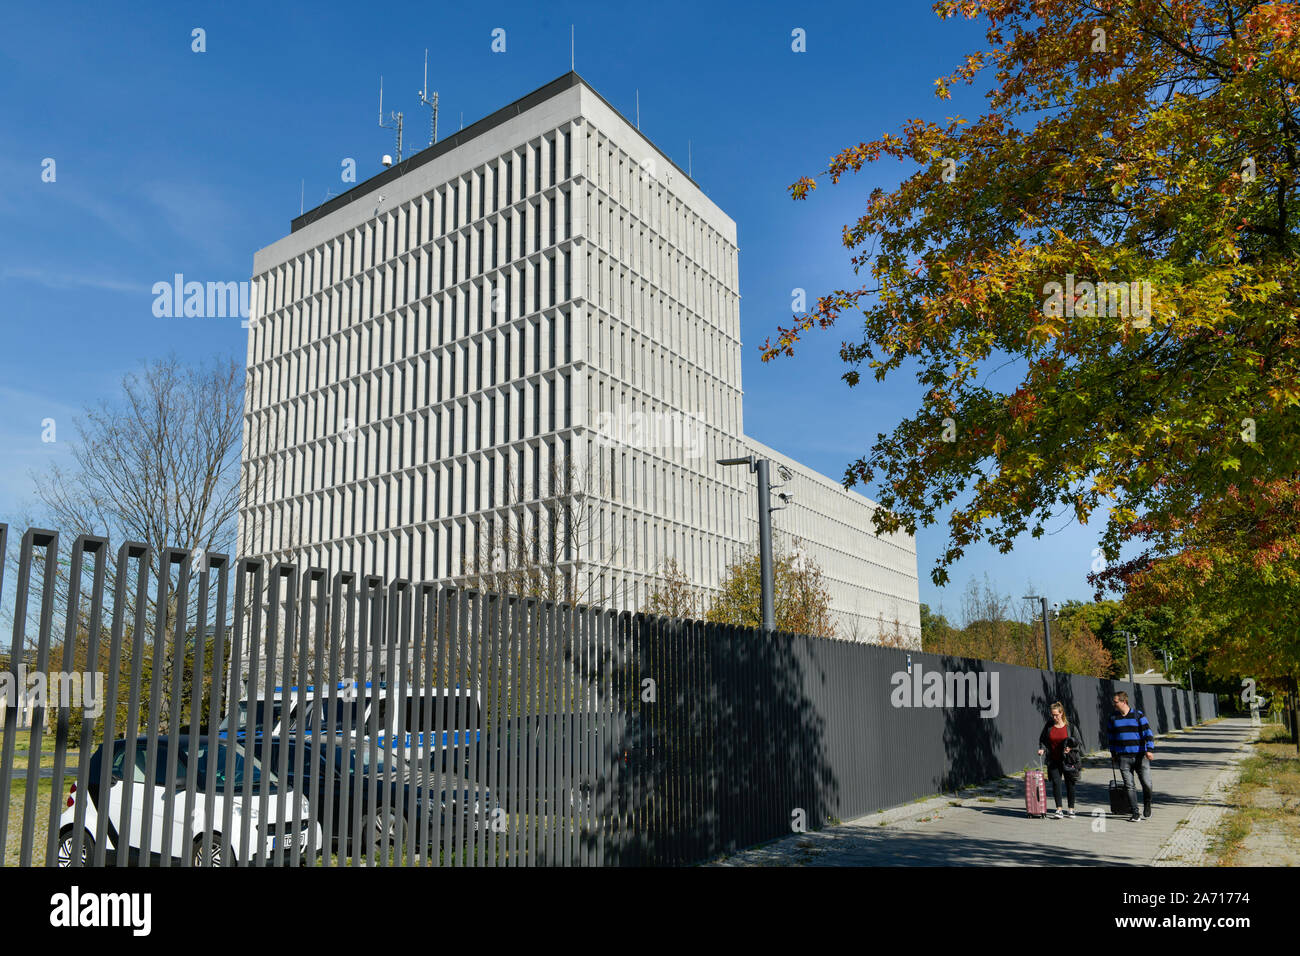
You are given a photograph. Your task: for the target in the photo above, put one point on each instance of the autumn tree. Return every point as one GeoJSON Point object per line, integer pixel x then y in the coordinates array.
{"type": "Point", "coordinates": [998, 629]}
{"type": "Point", "coordinates": [936, 632]}
{"type": "Point", "coordinates": [1077, 650]}
{"type": "Point", "coordinates": [1230, 576]}
{"type": "Point", "coordinates": [801, 601]}
{"type": "Point", "coordinates": [1132, 153]}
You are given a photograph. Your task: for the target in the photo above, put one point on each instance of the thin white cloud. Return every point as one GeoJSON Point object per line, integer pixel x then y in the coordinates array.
{"type": "Point", "coordinates": [62, 279]}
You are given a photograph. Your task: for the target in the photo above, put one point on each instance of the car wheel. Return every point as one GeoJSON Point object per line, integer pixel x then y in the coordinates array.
{"type": "Point", "coordinates": [384, 827]}
{"type": "Point", "coordinates": [65, 848]}
{"type": "Point", "coordinates": [207, 853]}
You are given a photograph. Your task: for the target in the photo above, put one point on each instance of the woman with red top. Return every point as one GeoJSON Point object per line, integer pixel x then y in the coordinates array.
{"type": "Point", "coordinates": [1057, 740]}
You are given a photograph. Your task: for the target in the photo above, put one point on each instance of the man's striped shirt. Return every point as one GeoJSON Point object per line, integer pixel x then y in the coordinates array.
{"type": "Point", "coordinates": [1130, 734]}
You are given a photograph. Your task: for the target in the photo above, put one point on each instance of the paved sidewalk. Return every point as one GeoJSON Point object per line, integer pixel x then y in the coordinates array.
{"type": "Point", "coordinates": [989, 826]}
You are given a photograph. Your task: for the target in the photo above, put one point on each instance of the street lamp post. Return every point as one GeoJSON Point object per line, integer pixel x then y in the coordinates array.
{"type": "Point", "coordinates": [1047, 630]}
{"type": "Point", "coordinates": [1129, 641]}
{"type": "Point", "coordinates": [766, 587]}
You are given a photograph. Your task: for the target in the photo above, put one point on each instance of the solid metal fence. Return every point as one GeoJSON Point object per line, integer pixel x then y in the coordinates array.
{"type": "Point", "coordinates": [270, 715]}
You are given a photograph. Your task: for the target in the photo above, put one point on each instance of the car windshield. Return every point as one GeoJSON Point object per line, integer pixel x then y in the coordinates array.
{"type": "Point", "coordinates": [246, 770]}
{"type": "Point", "coordinates": [315, 711]}
{"type": "Point", "coordinates": [240, 717]}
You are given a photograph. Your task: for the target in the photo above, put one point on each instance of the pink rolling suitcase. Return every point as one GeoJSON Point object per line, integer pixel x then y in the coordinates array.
{"type": "Point", "coordinates": [1035, 792]}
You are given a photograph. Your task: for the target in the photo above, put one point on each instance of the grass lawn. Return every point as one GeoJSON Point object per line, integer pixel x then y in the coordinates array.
{"type": "Point", "coordinates": [1262, 828]}
{"type": "Point", "coordinates": [13, 839]}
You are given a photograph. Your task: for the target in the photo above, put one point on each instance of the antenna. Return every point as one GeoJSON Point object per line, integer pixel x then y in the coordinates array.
{"type": "Point", "coordinates": [302, 193]}
{"type": "Point", "coordinates": [431, 103]}
{"type": "Point", "coordinates": [638, 108]}
{"type": "Point", "coordinates": [571, 48]}
{"type": "Point", "coordinates": [397, 120]}
{"type": "Point", "coordinates": [688, 160]}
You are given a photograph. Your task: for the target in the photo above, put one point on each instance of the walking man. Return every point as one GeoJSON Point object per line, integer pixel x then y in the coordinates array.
{"type": "Point", "coordinates": [1132, 748]}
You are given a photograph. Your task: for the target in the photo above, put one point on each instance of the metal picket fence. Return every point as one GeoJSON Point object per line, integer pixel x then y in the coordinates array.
{"type": "Point", "coordinates": [262, 714]}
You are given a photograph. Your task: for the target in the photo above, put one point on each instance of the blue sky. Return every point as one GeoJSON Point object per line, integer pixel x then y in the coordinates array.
{"type": "Point", "coordinates": [171, 161]}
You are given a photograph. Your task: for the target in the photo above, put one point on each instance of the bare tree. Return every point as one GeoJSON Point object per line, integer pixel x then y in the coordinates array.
{"type": "Point", "coordinates": [550, 545]}
{"type": "Point", "coordinates": [889, 634]}
{"type": "Point", "coordinates": [675, 597]}
{"type": "Point", "coordinates": [158, 464]}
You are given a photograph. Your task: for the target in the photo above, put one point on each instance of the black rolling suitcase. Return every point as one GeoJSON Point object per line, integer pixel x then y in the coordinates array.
{"type": "Point", "coordinates": [1119, 802]}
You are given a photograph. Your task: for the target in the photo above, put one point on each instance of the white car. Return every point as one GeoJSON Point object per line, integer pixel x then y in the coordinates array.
{"type": "Point", "coordinates": [247, 785]}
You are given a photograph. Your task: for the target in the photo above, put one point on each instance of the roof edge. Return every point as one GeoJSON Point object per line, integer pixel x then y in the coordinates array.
{"type": "Point", "coordinates": [538, 96]}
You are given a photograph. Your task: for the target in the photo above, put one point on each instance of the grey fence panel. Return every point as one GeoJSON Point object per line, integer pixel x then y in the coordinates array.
{"type": "Point", "coordinates": [370, 812]}
{"type": "Point", "coordinates": [599, 747]}
{"type": "Point", "coordinates": [417, 839]}
{"type": "Point", "coordinates": [49, 542]}
{"type": "Point", "coordinates": [340, 709]}
{"type": "Point", "coordinates": [221, 680]}
{"type": "Point", "coordinates": [72, 617]}
{"type": "Point", "coordinates": [308, 775]}
{"type": "Point", "coordinates": [425, 725]}
{"type": "Point", "coordinates": [565, 751]}
{"type": "Point", "coordinates": [76, 849]}
{"type": "Point", "coordinates": [583, 756]}
{"type": "Point", "coordinates": [481, 736]}
{"type": "Point", "coordinates": [387, 827]}
{"type": "Point", "coordinates": [494, 719]}
{"type": "Point", "coordinates": [546, 733]}
{"type": "Point", "coordinates": [202, 660]}
{"type": "Point", "coordinates": [8, 732]}
{"type": "Point", "coordinates": [171, 759]}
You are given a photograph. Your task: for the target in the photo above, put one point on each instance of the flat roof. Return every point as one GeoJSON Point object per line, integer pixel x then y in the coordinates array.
{"type": "Point", "coordinates": [460, 138]}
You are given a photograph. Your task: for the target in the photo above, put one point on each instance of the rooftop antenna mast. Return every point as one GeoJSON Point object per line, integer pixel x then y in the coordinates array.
{"type": "Point", "coordinates": [431, 103]}
{"type": "Point", "coordinates": [397, 120]}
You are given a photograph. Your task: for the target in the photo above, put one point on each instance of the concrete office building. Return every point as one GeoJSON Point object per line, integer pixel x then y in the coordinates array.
{"type": "Point", "coordinates": [542, 300]}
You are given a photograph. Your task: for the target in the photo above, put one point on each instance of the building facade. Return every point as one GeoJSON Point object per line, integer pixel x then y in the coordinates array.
{"type": "Point", "coordinates": [519, 349]}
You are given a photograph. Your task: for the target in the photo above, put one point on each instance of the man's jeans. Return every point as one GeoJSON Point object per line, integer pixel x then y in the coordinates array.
{"type": "Point", "coordinates": [1129, 764]}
